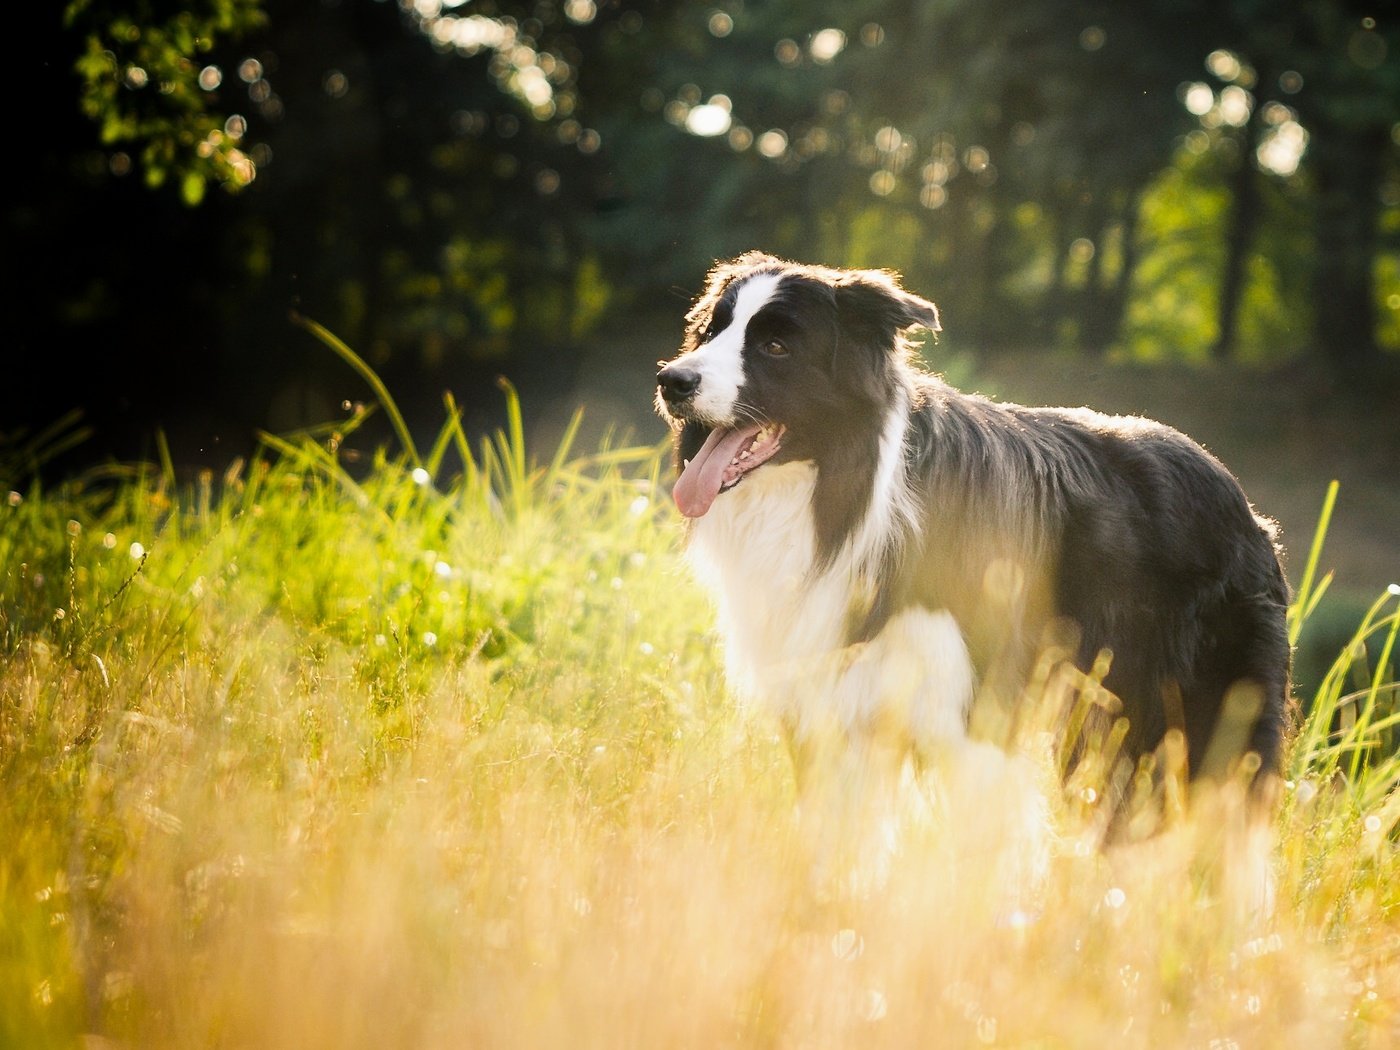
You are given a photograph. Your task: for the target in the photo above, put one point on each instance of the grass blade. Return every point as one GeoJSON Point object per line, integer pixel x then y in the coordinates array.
{"type": "Point", "coordinates": [369, 375]}
{"type": "Point", "coordinates": [1302, 602]}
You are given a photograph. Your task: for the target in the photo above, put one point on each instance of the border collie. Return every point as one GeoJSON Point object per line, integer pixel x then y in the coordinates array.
{"type": "Point", "coordinates": [882, 546]}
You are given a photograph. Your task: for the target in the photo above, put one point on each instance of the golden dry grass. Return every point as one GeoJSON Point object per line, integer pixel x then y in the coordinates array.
{"type": "Point", "coordinates": [334, 762]}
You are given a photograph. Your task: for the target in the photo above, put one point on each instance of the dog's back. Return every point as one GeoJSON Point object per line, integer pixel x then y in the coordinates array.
{"type": "Point", "coordinates": [1118, 534]}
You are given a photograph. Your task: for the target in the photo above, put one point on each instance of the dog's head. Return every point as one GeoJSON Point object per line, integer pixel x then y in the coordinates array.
{"type": "Point", "coordinates": [777, 356]}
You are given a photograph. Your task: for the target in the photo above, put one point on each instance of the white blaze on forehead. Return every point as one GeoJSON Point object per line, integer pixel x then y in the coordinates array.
{"type": "Point", "coordinates": [720, 362]}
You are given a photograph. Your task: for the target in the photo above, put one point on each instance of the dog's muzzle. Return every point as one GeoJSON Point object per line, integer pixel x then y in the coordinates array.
{"type": "Point", "coordinates": [678, 384]}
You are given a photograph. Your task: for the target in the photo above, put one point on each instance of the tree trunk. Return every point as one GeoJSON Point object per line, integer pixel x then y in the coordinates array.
{"type": "Point", "coordinates": [1245, 208]}
{"type": "Point", "coordinates": [1108, 301]}
{"type": "Point", "coordinates": [1094, 310]}
{"type": "Point", "coordinates": [1347, 166]}
{"type": "Point", "coordinates": [1052, 310]}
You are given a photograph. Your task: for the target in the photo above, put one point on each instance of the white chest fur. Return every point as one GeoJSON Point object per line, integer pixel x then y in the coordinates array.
{"type": "Point", "coordinates": [784, 625]}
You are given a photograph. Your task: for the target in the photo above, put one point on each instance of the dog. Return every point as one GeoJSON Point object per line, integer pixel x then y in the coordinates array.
{"type": "Point", "coordinates": [885, 549]}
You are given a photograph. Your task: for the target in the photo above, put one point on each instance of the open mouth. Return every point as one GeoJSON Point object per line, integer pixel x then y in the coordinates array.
{"type": "Point", "coordinates": [727, 455]}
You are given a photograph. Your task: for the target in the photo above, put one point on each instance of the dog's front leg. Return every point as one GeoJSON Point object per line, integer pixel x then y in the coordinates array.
{"type": "Point", "coordinates": [853, 725]}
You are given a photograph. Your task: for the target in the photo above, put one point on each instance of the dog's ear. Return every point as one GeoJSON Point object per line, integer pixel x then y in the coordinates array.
{"type": "Point", "coordinates": [872, 303]}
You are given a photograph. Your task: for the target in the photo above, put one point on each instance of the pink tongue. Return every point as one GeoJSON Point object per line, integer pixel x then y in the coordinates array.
{"type": "Point", "coordinates": [702, 479]}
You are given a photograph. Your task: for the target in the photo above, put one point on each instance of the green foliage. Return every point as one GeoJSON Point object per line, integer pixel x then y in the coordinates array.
{"type": "Point", "coordinates": [147, 85]}
{"type": "Point", "coordinates": [1177, 280]}
{"type": "Point", "coordinates": [1173, 311]}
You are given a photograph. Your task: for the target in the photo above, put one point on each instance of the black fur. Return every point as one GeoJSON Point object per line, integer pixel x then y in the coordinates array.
{"type": "Point", "coordinates": [1119, 533]}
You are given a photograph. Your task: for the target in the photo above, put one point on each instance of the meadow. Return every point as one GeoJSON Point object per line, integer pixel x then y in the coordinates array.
{"type": "Point", "coordinates": [434, 750]}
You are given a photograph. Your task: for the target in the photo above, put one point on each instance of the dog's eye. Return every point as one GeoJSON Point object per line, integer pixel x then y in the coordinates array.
{"type": "Point", "coordinates": [775, 348]}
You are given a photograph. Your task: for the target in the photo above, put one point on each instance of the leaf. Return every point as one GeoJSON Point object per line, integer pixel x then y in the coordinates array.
{"type": "Point", "coordinates": [192, 188]}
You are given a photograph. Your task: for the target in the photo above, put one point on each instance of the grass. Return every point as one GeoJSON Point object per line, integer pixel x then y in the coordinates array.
{"type": "Point", "coordinates": [431, 757]}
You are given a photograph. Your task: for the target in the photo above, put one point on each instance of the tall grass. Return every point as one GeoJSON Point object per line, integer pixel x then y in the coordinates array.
{"type": "Point", "coordinates": [410, 755]}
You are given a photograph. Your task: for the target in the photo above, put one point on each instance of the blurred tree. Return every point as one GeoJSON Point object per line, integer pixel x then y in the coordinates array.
{"type": "Point", "coordinates": [1314, 88]}
{"type": "Point", "coordinates": [1348, 65]}
{"type": "Point", "coordinates": [463, 188]}
{"type": "Point", "coordinates": [1011, 142]}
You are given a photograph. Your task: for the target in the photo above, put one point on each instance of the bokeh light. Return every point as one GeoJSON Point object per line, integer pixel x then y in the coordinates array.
{"type": "Point", "coordinates": [580, 12]}
{"type": "Point", "coordinates": [1235, 106]}
{"type": "Point", "coordinates": [1282, 148]}
{"type": "Point", "coordinates": [773, 143]}
{"type": "Point", "coordinates": [826, 45]}
{"type": "Point", "coordinates": [933, 196]}
{"type": "Point", "coordinates": [1224, 64]}
{"type": "Point", "coordinates": [1199, 99]}
{"type": "Point", "coordinates": [711, 119]}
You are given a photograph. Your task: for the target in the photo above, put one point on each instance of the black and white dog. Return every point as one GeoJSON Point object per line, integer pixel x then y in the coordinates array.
{"type": "Point", "coordinates": [882, 546]}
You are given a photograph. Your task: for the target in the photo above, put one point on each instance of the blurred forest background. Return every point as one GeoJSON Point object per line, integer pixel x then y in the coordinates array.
{"type": "Point", "coordinates": [1185, 207]}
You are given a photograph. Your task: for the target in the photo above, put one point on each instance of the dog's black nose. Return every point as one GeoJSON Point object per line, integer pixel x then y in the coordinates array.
{"type": "Point", "coordinates": [677, 384]}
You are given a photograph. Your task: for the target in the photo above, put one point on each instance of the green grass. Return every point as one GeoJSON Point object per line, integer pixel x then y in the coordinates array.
{"type": "Point", "coordinates": [301, 757]}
